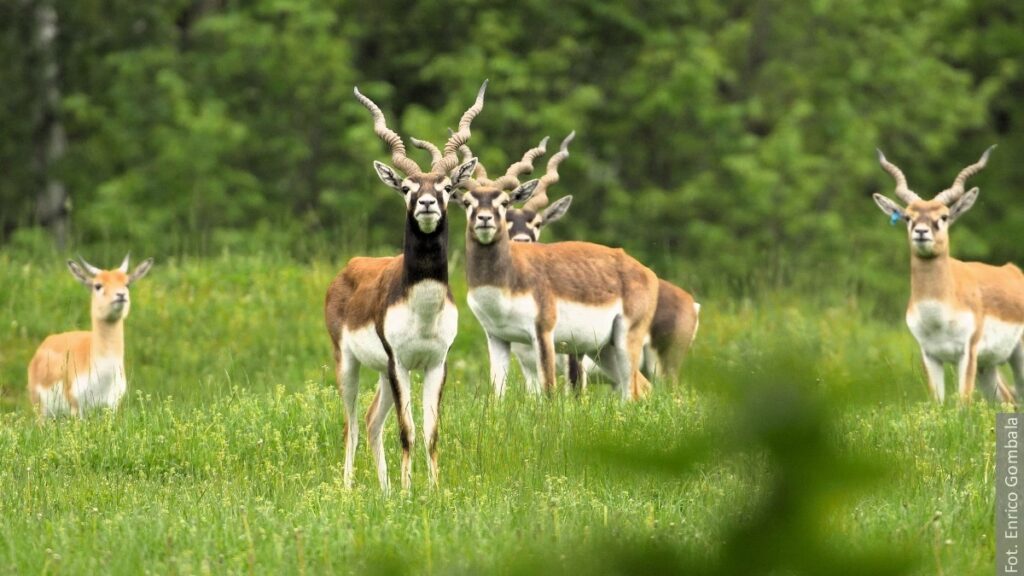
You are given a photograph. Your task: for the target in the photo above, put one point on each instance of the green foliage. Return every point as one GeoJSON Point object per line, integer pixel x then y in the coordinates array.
{"type": "Point", "coordinates": [737, 135]}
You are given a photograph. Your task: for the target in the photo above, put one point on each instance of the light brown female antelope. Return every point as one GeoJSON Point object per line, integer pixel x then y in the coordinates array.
{"type": "Point", "coordinates": [582, 297]}
{"type": "Point", "coordinates": [965, 313]}
{"type": "Point", "coordinates": [74, 372]}
{"type": "Point", "coordinates": [396, 314]}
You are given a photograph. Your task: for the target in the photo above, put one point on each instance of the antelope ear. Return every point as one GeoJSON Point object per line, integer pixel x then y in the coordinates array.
{"type": "Point", "coordinates": [523, 192]}
{"type": "Point", "coordinates": [388, 175]}
{"type": "Point", "coordinates": [462, 172]}
{"type": "Point", "coordinates": [891, 208]}
{"type": "Point", "coordinates": [963, 204]}
{"type": "Point", "coordinates": [556, 211]}
{"type": "Point", "coordinates": [79, 273]}
{"type": "Point", "coordinates": [141, 270]}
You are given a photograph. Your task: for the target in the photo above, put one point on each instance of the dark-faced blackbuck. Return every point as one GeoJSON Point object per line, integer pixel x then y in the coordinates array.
{"type": "Point", "coordinates": [573, 297]}
{"type": "Point", "coordinates": [675, 321]}
{"type": "Point", "coordinates": [395, 315]}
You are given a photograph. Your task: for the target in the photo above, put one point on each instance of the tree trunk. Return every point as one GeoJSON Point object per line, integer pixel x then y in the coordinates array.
{"type": "Point", "coordinates": [53, 205]}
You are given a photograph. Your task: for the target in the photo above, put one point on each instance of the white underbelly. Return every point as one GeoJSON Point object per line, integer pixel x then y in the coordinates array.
{"type": "Point", "coordinates": [364, 344]}
{"type": "Point", "coordinates": [583, 328]}
{"type": "Point", "coordinates": [998, 340]}
{"type": "Point", "coordinates": [102, 387]}
{"type": "Point", "coordinates": [504, 316]}
{"type": "Point", "coordinates": [52, 400]}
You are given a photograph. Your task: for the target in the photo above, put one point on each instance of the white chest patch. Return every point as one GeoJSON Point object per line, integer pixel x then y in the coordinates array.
{"type": "Point", "coordinates": [943, 332]}
{"type": "Point", "coordinates": [102, 387]}
{"type": "Point", "coordinates": [583, 328]}
{"type": "Point", "coordinates": [422, 329]}
{"type": "Point", "coordinates": [510, 318]}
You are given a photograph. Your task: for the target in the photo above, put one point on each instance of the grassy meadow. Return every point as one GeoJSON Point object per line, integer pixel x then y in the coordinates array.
{"type": "Point", "coordinates": [799, 441]}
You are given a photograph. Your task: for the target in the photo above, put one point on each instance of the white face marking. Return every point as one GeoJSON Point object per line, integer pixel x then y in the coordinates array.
{"type": "Point", "coordinates": [486, 219]}
{"type": "Point", "coordinates": [430, 204]}
{"type": "Point", "coordinates": [409, 188]}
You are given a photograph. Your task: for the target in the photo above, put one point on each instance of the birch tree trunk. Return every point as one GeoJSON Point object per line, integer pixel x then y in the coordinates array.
{"type": "Point", "coordinates": [53, 205]}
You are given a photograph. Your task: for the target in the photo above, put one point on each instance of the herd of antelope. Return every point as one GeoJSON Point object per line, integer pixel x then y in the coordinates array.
{"type": "Point", "coordinates": [577, 306]}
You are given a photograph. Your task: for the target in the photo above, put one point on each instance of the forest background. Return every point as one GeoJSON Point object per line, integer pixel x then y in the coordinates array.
{"type": "Point", "coordinates": [728, 144]}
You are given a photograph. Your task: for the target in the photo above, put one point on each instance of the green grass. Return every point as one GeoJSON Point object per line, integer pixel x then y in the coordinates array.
{"type": "Point", "coordinates": [801, 431]}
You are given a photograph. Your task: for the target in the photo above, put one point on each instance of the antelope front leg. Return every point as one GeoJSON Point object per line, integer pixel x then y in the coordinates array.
{"type": "Point", "coordinates": [375, 417]}
{"type": "Point", "coordinates": [989, 382]}
{"type": "Point", "coordinates": [528, 363]}
{"type": "Point", "coordinates": [433, 387]}
{"type": "Point", "coordinates": [498, 350]}
{"type": "Point", "coordinates": [936, 377]}
{"type": "Point", "coordinates": [348, 386]}
{"type": "Point", "coordinates": [544, 349]}
{"type": "Point", "coordinates": [401, 387]}
{"type": "Point", "coordinates": [967, 370]}
{"type": "Point", "coordinates": [577, 373]}
{"type": "Point", "coordinates": [1017, 365]}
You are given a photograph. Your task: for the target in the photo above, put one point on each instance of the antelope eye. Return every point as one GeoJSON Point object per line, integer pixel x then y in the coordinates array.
{"type": "Point", "coordinates": [97, 287]}
{"type": "Point", "coordinates": [405, 189]}
{"type": "Point", "coordinates": [466, 203]}
{"type": "Point", "coordinates": [504, 204]}
{"type": "Point", "coordinates": [448, 188]}
{"type": "Point", "coordinates": [907, 218]}
{"type": "Point", "coordinates": [945, 218]}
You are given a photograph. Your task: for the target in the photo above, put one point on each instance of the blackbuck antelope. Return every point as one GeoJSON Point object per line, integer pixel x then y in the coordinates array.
{"type": "Point", "coordinates": [675, 320]}
{"type": "Point", "coordinates": [583, 298]}
{"type": "Point", "coordinates": [396, 314]}
{"type": "Point", "coordinates": [524, 225]}
{"type": "Point", "coordinates": [73, 372]}
{"type": "Point", "coordinates": [965, 313]}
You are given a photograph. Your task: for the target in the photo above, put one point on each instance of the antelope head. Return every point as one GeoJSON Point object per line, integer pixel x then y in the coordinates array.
{"type": "Point", "coordinates": [426, 194]}
{"type": "Point", "coordinates": [928, 221]}
{"type": "Point", "coordinates": [110, 298]}
{"type": "Point", "coordinates": [525, 224]}
{"type": "Point", "coordinates": [488, 203]}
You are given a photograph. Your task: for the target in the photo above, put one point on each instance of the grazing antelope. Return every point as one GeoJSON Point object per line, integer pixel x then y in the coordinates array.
{"type": "Point", "coordinates": [583, 298]}
{"type": "Point", "coordinates": [396, 314]}
{"type": "Point", "coordinates": [964, 313]}
{"type": "Point", "coordinates": [74, 372]}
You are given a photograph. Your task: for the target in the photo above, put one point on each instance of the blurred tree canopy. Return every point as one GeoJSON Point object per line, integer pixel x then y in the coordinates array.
{"type": "Point", "coordinates": [717, 139]}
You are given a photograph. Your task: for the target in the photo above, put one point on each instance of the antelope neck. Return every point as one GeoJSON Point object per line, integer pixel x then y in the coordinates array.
{"type": "Point", "coordinates": [425, 254]}
{"type": "Point", "coordinates": [107, 338]}
{"type": "Point", "coordinates": [931, 278]}
{"type": "Point", "coordinates": [488, 264]}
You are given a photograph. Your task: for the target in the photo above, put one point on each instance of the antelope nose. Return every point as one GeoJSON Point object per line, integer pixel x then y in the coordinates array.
{"type": "Point", "coordinates": [427, 202]}
{"type": "Point", "coordinates": [484, 218]}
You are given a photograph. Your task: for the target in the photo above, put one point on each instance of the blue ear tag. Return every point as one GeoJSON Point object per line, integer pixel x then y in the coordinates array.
{"type": "Point", "coordinates": [894, 218]}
